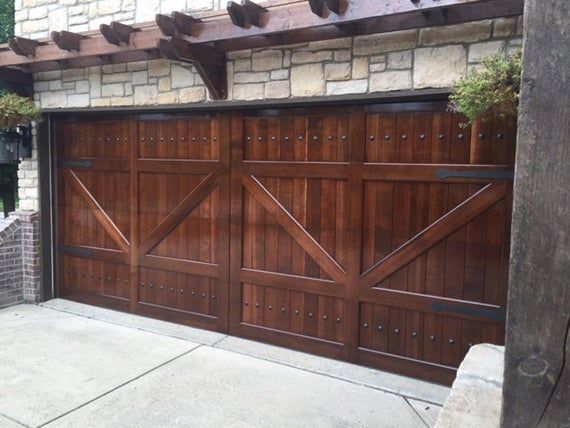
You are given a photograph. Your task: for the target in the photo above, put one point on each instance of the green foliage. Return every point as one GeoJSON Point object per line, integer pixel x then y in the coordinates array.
{"type": "Point", "coordinates": [491, 92]}
{"type": "Point", "coordinates": [15, 109]}
{"type": "Point", "coordinates": [6, 20]}
{"type": "Point", "coordinates": [8, 173]}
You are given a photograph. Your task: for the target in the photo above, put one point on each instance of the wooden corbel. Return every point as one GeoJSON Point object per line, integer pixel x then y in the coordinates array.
{"type": "Point", "coordinates": [66, 40]}
{"type": "Point", "coordinates": [209, 63]}
{"type": "Point", "coordinates": [317, 7]}
{"type": "Point", "coordinates": [117, 33]}
{"type": "Point", "coordinates": [23, 46]}
{"type": "Point", "coordinates": [177, 23]}
{"type": "Point", "coordinates": [245, 14]}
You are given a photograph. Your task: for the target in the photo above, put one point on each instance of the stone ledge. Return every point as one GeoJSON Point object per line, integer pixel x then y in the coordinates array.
{"type": "Point", "coordinates": [476, 394]}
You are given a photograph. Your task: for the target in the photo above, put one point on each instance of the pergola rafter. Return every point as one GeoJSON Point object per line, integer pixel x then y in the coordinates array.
{"type": "Point", "coordinates": [204, 40]}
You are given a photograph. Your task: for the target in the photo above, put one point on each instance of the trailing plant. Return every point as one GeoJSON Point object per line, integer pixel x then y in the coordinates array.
{"type": "Point", "coordinates": [15, 109]}
{"type": "Point", "coordinates": [491, 92]}
{"type": "Point", "coordinates": [8, 173]}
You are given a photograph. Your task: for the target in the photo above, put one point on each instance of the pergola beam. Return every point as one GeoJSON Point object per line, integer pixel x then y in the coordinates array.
{"type": "Point", "coordinates": [248, 26]}
{"type": "Point", "coordinates": [279, 25]}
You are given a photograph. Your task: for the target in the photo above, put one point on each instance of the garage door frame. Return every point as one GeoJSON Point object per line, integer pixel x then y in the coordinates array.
{"type": "Point", "coordinates": [350, 351]}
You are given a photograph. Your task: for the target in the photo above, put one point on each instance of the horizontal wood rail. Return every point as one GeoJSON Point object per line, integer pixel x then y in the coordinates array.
{"type": "Point", "coordinates": [434, 304]}
{"type": "Point", "coordinates": [203, 40]}
{"type": "Point", "coordinates": [284, 281]}
{"type": "Point", "coordinates": [177, 265]}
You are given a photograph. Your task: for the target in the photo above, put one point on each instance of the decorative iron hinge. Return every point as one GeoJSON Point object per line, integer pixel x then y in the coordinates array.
{"type": "Point", "coordinates": [490, 314]}
{"type": "Point", "coordinates": [83, 252]}
{"type": "Point", "coordinates": [84, 164]}
{"type": "Point", "coordinates": [491, 175]}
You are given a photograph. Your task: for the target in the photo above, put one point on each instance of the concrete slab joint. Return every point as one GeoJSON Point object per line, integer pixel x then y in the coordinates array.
{"type": "Point", "coordinates": [19, 258]}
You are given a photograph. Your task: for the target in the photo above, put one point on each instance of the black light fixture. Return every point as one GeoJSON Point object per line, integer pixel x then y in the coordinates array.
{"type": "Point", "coordinates": [15, 144]}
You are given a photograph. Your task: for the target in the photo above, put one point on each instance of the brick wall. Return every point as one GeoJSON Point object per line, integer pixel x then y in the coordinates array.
{"type": "Point", "coordinates": [19, 258]}
{"type": "Point", "coordinates": [11, 269]}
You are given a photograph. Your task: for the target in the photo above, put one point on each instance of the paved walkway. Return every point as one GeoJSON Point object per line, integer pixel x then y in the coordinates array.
{"type": "Point", "coordinates": [64, 364]}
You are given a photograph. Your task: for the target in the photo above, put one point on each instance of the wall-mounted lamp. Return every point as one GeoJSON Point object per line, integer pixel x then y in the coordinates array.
{"type": "Point", "coordinates": [15, 144]}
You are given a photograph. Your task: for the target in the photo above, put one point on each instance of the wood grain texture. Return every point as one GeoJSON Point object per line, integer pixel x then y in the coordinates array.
{"type": "Point", "coordinates": [536, 388]}
{"type": "Point", "coordinates": [328, 230]}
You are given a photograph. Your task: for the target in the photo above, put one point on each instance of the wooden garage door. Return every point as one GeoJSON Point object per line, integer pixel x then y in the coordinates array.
{"type": "Point", "coordinates": [144, 215]}
{"type": "Point", "coordinates": [374, 234]}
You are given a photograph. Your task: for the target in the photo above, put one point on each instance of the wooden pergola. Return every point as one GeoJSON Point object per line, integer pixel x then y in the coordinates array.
{"type": "Point", "coordinates": [204, 40]}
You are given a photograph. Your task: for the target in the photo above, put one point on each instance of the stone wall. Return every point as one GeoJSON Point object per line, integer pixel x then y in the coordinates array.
{"type": "Point", "coordinates": [19, 258]}
{"type": "Point", "coordinates": [414, 59]}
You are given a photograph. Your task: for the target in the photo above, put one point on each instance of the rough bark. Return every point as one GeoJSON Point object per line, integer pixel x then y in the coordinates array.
{"type": "Point", "coordinates": [537, 362]}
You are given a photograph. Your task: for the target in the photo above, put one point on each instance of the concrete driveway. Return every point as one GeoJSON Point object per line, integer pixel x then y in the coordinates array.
{"type": "Point", "coordinates": [65, 364]}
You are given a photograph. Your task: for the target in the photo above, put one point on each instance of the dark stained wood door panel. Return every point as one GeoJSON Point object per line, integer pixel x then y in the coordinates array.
{"type": "Point", "coordinates": [375, 234]}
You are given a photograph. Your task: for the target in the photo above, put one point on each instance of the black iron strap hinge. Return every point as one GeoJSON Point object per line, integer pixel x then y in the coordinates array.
{"type": "Point", "coordinates": [491, 175]}
{"type": "Point", "coordinates": [84, 164]}
{"type": "Point", "coordinates": [83, 252]}
{"type": "Point", "coordinates": [491, 314]}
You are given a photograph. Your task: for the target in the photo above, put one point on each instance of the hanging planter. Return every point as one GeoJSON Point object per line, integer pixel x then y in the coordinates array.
{"type": "Point", "coordinates": [489, 101]}
{"type": "Point", "coordinates": [16, 115]}
{"type": "Point", "coordinates": [491, 93]}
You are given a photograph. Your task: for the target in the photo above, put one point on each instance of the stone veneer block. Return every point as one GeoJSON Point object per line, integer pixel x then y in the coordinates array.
{"type": "Point", "coordinates": [182, 77]}
{"type": "Point", "coordinates": [476, 394]}
{"type": "Point", "coordinates": [248, 91]}
{"type": "Point", "coordinates": [192, 95]}
{"type": "Point", "coordinates": [337, 71]}
{"type": "Point", "coordinates": [347, 87]}
{"type": "Point", "coordinates": [277, 89]}
{"type": "Point", "coordinates": [391, 81]}
{"type": "Point", "coordinates": [146, 94]}
{"type": "Point", "coordinates": [439, 67]}
{"type": "Point", "coordinates": [308, 56]}
{"type": "Point", "coordinates": [504, 27]}
{"type": "Point", "coordinates": [360, 68]}
{"type": "Point", "coordinates": [307, 80]}
{"type": "Point", "coordinates": [479, 51]}
{"type": "Point", "coordinates": [400, 60]}
{"type": "Point", "coordinates": [460, 33]}
{"type": "Point", "coordinates": [267, 60]}
{"type": "Point", "coordinates": [159, 67]}
{"type": "Point", "coordinates": [385, 42]}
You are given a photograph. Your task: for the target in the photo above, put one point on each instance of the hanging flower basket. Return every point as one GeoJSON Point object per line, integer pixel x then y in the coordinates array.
{"type": "Point", "coordinates": [491, 93]}
{"type": "Point", "coordinates": [16, 110]}
{"type": "Point", "coordinates": [16, 115]}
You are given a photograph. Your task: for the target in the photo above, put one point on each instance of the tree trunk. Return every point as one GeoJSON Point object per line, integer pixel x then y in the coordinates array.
{"type": "Point", "coordinates": [8, 196]}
